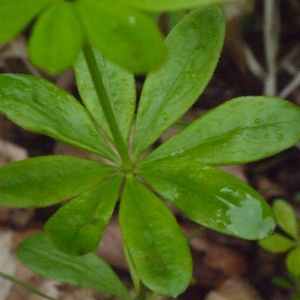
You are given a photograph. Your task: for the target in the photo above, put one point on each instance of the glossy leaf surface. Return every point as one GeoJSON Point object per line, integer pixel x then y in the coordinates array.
{"type": "Point", "coordinates": [194, 46]}
{"type": "Point", "coordinates": [163, 5]}
{"type": "Point", "coordinates": [120, 88]}
{"type": "Point", "coordinates": [16, 14]}
{"type": "Point", "coordinates": [56, 39]}
{"type": "Point", "coordinates": [39, 106]}
{"type": "Point", "coordinates": [286, 217]}
{"type": "Point", "coordinates": [42, 181]}
{"type": "Point", "coordinates": [154, 240]}
{"type": "Point", "coordinates": [77, 227]}
{"type": "Point", "coordinates": [277, 243]}
{"type": "Point", "coordinates": [88, 271]}
{"type": "Point", "coordinates": [293, 262]}
{"type": "Point", "coordinates": [211, 197]}
{"type": "Point", "coordinates": [241, 130]}
{"type": "Point", "coordinates": [123, 35]}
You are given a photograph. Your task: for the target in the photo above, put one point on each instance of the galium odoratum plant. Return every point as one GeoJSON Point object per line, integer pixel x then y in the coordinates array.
{"type": "Point", "coordinates": [182, 171]}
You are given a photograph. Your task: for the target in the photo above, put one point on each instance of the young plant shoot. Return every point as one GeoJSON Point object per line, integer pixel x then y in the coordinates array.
{"type": "Point", "coordinates": [182, 171]}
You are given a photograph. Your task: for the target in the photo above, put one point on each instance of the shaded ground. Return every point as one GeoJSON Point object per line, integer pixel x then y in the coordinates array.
{"type": "Point", "coordinates": [255, 61]}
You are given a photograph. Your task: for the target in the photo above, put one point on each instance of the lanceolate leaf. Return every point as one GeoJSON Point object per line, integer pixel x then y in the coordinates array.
{"type": "Point", "coordinates": [123, 35]}
{"type": "Point", "coordinates": [39, 106]}
{"type": "Point", "coordinates": [78, 226]}
{"type": "Point", "coordinates": [88, 271]}
{"type": "Point", "coordinates": [194, 46]}
{"type": "Point", "coordinates": [120, 88]}
{"type": "Point", "coordinates": [57, 38]}
{"type": "Point", "coordinates": [42, 181]}
{"type": "Point", "coordinates": [154, 240]}
{"type": "Point", "coordinates": [241, 130]}
{"type": "Point", "coordinates": [286, 217]}
{"type": "Point", "coordinates": [277, 243]}
{"type": "Point", "coordinates": [163, 5]}
{"type": "Point", "coordinates": [211, 197]}
{"type": "Point", "coordinates": [16, 14]}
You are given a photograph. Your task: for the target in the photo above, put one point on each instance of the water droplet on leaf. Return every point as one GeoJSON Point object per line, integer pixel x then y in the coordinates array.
{"type": "Point", "coordinates": [83, 87]}
{"type": "Point", "coordinates": [279, 136]}
{"type": "Point", "coordinates": [165, 116]}
{"type": "Point", "coordinates": [174, 153]}
{"type": "Point", "coordinates": [191, 74]}
{"type": "Point", "coordinates": [257, 121]}
{"type": "Point", "coordinates": [267, 136]}
{"type": "Point", "coordinates": [132, 20]}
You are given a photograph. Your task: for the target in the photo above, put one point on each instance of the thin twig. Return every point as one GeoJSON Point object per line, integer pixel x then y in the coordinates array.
{"type": "Point", "coordinates": [271, 41]}
{"type": "Point", "coordinates": [292, 85]}
{"type": "Point", "coordinates": [253, 64]}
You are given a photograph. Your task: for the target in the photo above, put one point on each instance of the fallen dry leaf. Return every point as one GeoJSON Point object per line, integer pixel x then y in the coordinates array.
{"type": "Point", "coordinates": [234, 289]}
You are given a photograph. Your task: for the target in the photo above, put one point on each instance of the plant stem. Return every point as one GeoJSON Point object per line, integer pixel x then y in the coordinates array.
{"type": "Point", "coordinates": [142, 293]}
{"type": "Point", "coordinates": [195, 234]}
{"type": "Point", "coordinates": [25, 285]}
{"type": "Point", "coordinates": [107, 108]}
{"type": "Point", "coordinates": [153, 296]}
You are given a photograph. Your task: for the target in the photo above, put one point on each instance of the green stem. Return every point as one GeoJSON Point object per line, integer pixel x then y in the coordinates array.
{"type": "Point", "coordinates": [153, 296]}
{"type": "Point", "coordinates": [25, 285]}
{"type": "Point", "coordinates": [142, 293]}
{"type": "Point", "coordinates": [106, 105]}
{"type": "Point", "coordinates": [195, 234]}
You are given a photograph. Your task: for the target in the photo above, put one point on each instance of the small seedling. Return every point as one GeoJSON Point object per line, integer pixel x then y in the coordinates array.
{"type": "Point", "coordinates": [288, 243]}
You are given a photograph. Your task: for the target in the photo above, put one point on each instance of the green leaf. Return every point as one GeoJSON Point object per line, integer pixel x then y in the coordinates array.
{"type": "Point", "coordinates": [42, 181]}
{"type": "Point", "coordinates": [88, 271]}
{"type": "Point", "coordinates": [154, 240]}
{"type": "Point", "coordinates": [282, 283]}
{"type": "Point", "coordinates": [211, 197]}
{"type": "Point", "coordinates": [163, 5]}
{"type": "Point", "coordinates": [293, 262]}
{"type": "Point", "coordinates": [241, 130]}
{"type": "Point", "coordinates": [56, 39]}
{"type": "Point", "coordinates": [194, 47]}
{"type": "Point", "coordinates": [277, 243]}
{"type": "Point", "coordinates": [175, 17]}
{"type": "Point", "coordinates": [123, 35]}
{"type": "Point", "coordinates": [286, 217]}
{"type": "Point", "coordinates": [77, 227]}
{"type": "Point", "coordinates": [15, 15]}
{"type": "Point", "coordinates": [120, 88]}
{"type": "Point", "coordinates": [39, 106]}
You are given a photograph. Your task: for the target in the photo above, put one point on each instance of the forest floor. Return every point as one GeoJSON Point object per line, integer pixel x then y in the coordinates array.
{"type": "Point", "coordinates": [261, 56]}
